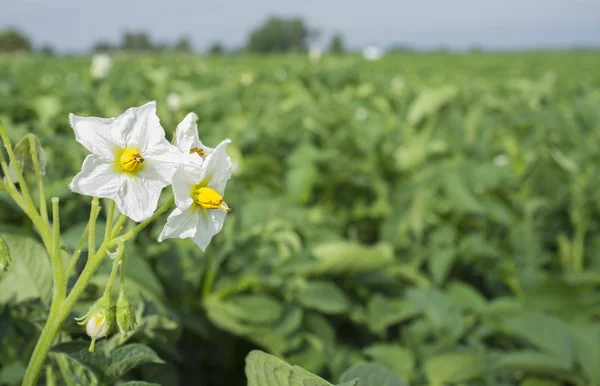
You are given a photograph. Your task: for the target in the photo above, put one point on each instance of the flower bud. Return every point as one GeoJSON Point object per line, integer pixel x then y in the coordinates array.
{"type": "Point", "coordinates": [4, 255]}
{"type": "Point", "coordinates": [125, 315]}
{"type": "Point", "coordinates": [98, 320]}
{"type": "Point", "coordinates": [23, 153]}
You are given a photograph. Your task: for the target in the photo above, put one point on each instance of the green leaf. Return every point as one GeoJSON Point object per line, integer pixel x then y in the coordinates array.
{"type": "Point", "coordinates": [383, 313]}
{"type": "Point", "coordinates": [459, 194]}
{"type": "Point", "coordinates": [453, 368]}
{"type": "Point", "coordinates": [127, 357]}
{"type": "Point", "coordinates": [12, 374]}
{"type": "Point", "coordinates": [95, 362]}
{"type": "Point", "coordinates": [138, 383]}
{"type": "Point", "coordinates": [429, 102]}
{"type": "Point", "coordinates": [323, 296]}
{"type": "Point", "coordinates": [440, 262]}
{"type": "Point", "coordinates": [29, 275]}
{"type": "Point", "coordinates": [532, 362]}
{"type": "Point", "coordinates": [341, 257]}
{"type": "Point", "coordinates": [587, 339]}
{"type": "Point", "coordinates": [371, 374]}
{"type": "Point", "coordinates": [267, 370]}
{"type": "Point", "coordinates": [396, 358]}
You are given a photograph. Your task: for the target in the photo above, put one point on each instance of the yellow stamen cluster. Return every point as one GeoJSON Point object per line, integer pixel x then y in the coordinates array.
{"type": "Point", "coordinates": [208, 198]}
{"type": "Point", "coordinates": [198, 151]}
{"type": "Point", "coordinates": [131, 160]}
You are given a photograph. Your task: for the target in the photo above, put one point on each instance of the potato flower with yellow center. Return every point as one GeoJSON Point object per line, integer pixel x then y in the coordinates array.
{"type": "Point", "coordinates": [187, 140]}
{"type": "Point", "coordinates": [131, 160]}
{"type": "Point", "coordinates": [198, 187]}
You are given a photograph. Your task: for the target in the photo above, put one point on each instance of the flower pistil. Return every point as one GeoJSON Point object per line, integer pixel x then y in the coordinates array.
{"type": "Point", "coordinates": [131, 160]}
{"type": "Point", "coordinates": [209, 198]}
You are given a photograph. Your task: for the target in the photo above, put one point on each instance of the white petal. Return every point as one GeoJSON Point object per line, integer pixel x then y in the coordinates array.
{"type": "Point", "coordinates": [218, 167]}
{"type": "Point", "coordinates": [180, 224]}
{"type": "Point", "coordinates": [186, 176]}
{"type": "Point", "coordinates": [144, 132]}
{"type": "Point", "coordinates": [95, 134]}
{"type": "Point", "coordinates": [161, 162]}
{"type": "Point", "coordinates": [186, 134]}
{"type": "Point", "coordinates": [98, 178]}
{"type": "Point", "coordinates": [138, 198]}
{"type": "Point", "coordinates": [210, 223]}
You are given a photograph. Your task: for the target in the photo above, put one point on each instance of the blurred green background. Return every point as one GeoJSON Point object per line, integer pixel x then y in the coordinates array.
{"type": "Point", "coordinates": [433, 212]}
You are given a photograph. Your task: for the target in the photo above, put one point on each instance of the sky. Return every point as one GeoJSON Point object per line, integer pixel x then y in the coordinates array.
{"type": "Point", "coordinates": [74, 25]}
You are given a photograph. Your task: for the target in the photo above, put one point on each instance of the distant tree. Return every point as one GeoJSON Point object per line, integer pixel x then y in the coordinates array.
{"type": "Point", "coordinates": [183, 44]}
{"type": "Point", "coordinates": [280, 35]}
{"type": "Point", "coordinates": [103, 46]}
{"type": "Point", "coordinates": [12, 40]}
{"type": "Point", "coordinates": [336, 46]}
{"type": "Point", "coordinates": [216, 48]}
{"type": "Point", "coordinates": [47, 50]}
{"type": "Point", "coordinates": [136, 41]}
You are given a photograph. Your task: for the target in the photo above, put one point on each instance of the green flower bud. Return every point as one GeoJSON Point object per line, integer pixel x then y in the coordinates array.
{"type": "Point", "coordinates": [4, 255]}
{"type": "Point", "coordinates": [98, 320]}
{"type": "Point", "coordinates": [125, 315]}
{"type": "Point", "coordinates": [23, 155]}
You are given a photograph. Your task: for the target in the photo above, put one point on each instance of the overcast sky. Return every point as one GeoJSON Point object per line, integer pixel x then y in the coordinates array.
{"type": "Point", "coordinates": [73, 25]}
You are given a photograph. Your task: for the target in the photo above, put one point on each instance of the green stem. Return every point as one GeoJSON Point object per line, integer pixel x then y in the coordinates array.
{"type": "Point", "coordinates": [118, 226]}
{"type": "Point", "coordinates": [209, 278]}
{"type": "Point", "coordinates": [92, 228]}
{"type": "Point", "coordinates": [38, 177]}
{"type": "Point", "coordinates": [115, 266]}
{"type": "Point", "coordinates": [110, 213]}
{"type": "Point", "coordinates": [77, 252]}
{"type": "Point", "coordinates": [58, 314]}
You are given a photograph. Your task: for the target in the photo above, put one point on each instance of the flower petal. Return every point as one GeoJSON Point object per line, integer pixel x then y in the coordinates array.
{"type": "Point", "coordinates": [210, 223]}
{"type": "Point", "coordinates": [160, 162]}
{"type": "Point", "coordinates": [180, 224]}
{"type": "Point", "coordinates": [95, 134]}
{"type": "Point", "coordinates": [144, 132]}
{"type": "Point", "coordinates": [98, 178]}
{"type": "Point", "coordinates": [186, 134]}
{"type": "Point", "coordinates": [218, 167]}
{"type": "Point", "coordinates": [138, 198]}
{"type": "Point", "coordinates": [186, 176]}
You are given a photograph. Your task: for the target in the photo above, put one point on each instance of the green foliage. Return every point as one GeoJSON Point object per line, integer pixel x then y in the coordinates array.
{"type": "Point", "coordinates": [279, 34]}
{"type": "Point", "coordinates": [433, 215]}
{"type": "Point", "coordinates": [337, 46]}
{"type": "Point", "coordinates": [12, 40]}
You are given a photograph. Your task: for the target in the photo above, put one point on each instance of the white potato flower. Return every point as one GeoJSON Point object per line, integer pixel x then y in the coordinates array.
{"type": "Point", "coordinates": [131, 160]}
{"type": "Point", "coordinates": [187, 140]}
{"type": "Point", "coordinates": [372, 53]}
{"type": "Point", "coordinates": [101, 64]}
{"type": "Point", "coordinates": [198, 188]}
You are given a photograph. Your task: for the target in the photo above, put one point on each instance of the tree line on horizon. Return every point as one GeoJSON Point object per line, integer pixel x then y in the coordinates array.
{"type": "Point", "coordinates": [275, 35]}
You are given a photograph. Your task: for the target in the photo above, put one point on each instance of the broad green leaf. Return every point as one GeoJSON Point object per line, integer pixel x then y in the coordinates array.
{"type": "Point", "coordinates": [396, 358]}
{"type": "Point", "coordinates": [12, 374]}
{"type": "Point", "coordinates": [465, 297]}
{"type": "Point", "coordinates": [370, 374]}
{"type": "Point", "coordinates": [323, 296]}
{"type": "Point", "coordinates": [440, 263]}
{"type": "Point", "coordinates": [429, 102]}
{"type": "Point", "coordinates": [29, 275]}
{"type": "Point", "coordinates": [460, 194]}
{"type": "Point", "coordinates": [454, 367]}
{"type": "Point", "coordinates": [587, 339]}
{"type": "Point", "coordinates": [138, 383]}
{"type": "Point", "coordinates": [383, 313]}
{"type": "Point", "coordinates": [267, 370]}
{"type": "Point", "coordinates": [533, 362]}
{"type": "Point", "coordinates": [127, 357]}
{"type": "Point", "coordinates": [347, 257]}
{"type": "Point", "coordinates": [95, 362]}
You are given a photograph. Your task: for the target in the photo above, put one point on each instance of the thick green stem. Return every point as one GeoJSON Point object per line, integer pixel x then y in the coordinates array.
{"type": "Point", "coordinates": [38, 177]}
{"type": "Point", "coordinates": [92, 228]}
{"type": "Point", "coordinates": [77, 252]}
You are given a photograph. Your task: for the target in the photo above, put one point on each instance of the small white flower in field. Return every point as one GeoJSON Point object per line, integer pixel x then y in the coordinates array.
{"type": "Point", "coordinates": [101, 64]}
{"type": "Point", "coordinates": [315, 52]}
{"type": "Point", "coordinates": [247, 78]}
{"type": "Point", "coordinates": [187, 140]}
{"type": "Point", "coordinates": [501, 160]}
{"type": "Point", "coordinates": [198, 188]}
{"type": "Point", "coordinates": [373, 53]}
{"type": "Point", "coordinates": [173, 101]}
{"type": "Point", "coordinates": [131, 161]}
{"type": "Point", "coordinates": [361, 114]}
